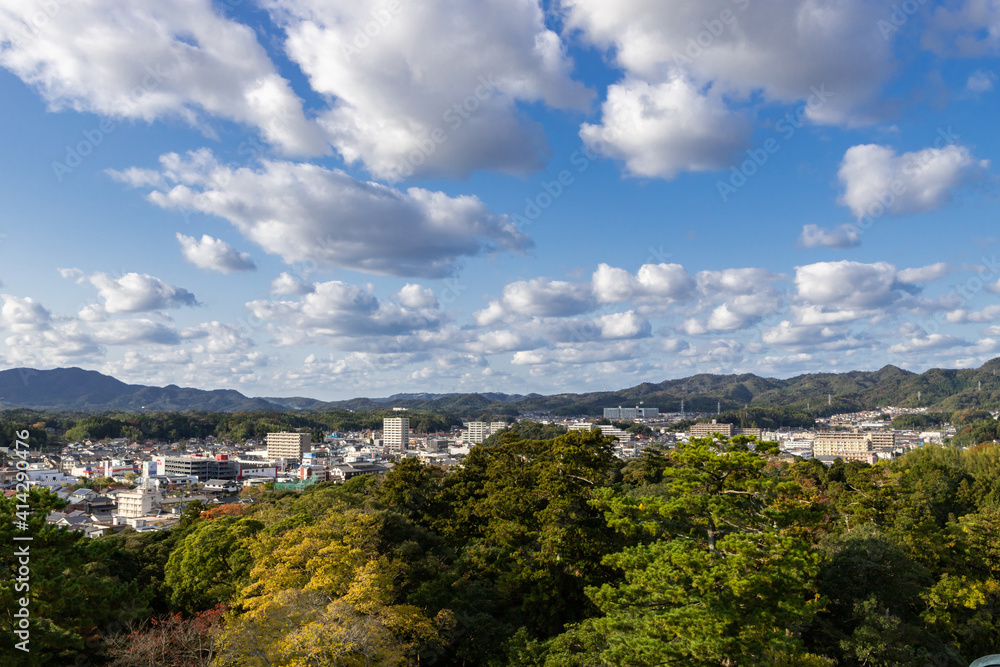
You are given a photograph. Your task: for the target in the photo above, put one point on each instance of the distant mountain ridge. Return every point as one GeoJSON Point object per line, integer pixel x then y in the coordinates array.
{"type": "Point", "coordinates": [75, 389]}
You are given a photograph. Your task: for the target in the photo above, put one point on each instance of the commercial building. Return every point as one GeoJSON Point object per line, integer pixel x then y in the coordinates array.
{"type": "Point", "coordinates": [396, 433]}
{"type": "Point", "coordinates": [202, 467]}
{"type": "Point", "coordinates": [288, 445]}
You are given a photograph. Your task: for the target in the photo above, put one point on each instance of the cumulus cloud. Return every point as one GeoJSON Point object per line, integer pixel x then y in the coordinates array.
{"type": "Point", "coordinates": [336, 309]}
{"type": "Point", "coordinates": [574, 354]}
{"type": "Point", "coordinates": [128, 60]}
{"type": "Point", "coordinates": [816, 337]}
{"type": "Point", "coordinates": [490, 315]}
{"type": "Point", "coordinates": [541, 297]}
{"type": "Point", "coordinates": [214, 254]}
{"type": "Point", "coordinates": [924, 274]}
{"type": "Point", "coordinates": [664, 129]}
{"type": "Point", "coordinates": [876, 180]}
{"type": "Point", "coordinates": [847, 285]}
{"type": "Point", "coordinates": [662, 283]}
{"type": "Point", "coordinates": [306, 213]}
{"type": "Point", "coordinates": [923, 342]}
{"type": "Point", "coordinates": [784, 50]}
{"type": "Point", "coordinates": [844, 236]}
{"type": "Point", "coordinates": [288, 285]}
{"type": "Point", "coordinates": [416, 296]}
{"type": "Point", "coordinates": [134, 332]}
{"type": "Point", "coordinates": [735, 281]}
{"type": "Point", "coordinates": [22, 315]}
{"type": "Point", "coordinates": [435, 92]}
{"type": "Point", "coordinates": [63, 344]}
{"type": "Point", "coordinates": [139, 292]}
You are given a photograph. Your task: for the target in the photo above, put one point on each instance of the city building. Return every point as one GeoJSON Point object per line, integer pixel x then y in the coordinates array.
{"type": "Point", "coordinates": [288, 446]}
{"type": "Point", "coordinates": [852, 445]}
{"type": "Point", "coordinates": [396, 433]}
{"type": "Point", "coordinates": [202, 467]}
{"type": "Point", "coordinates": [623, 414]}
{"type": "Point", "coordinates": [478, 431]}
{"type": "Point", "coordinates": [726, 430]}
{"type": "Point", "coordinates": [138, 502]}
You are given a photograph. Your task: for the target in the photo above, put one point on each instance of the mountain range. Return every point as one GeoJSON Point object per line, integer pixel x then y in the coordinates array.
{"type": "Point", "coordinates": [75, 389]}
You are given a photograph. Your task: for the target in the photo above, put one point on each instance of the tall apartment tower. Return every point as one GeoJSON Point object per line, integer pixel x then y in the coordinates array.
{"type": "Point", "coordinates": [396, 433]}
{"type": "Point", "coordinates": [288, 445]}
{"type": "Point", "coordinates": [479, 431]}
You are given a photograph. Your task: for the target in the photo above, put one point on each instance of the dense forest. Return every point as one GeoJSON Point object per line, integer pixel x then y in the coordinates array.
{"type": "Point", "coordinates": [544, 553]}
{"type": "Point", "coordinates": [173, 426]}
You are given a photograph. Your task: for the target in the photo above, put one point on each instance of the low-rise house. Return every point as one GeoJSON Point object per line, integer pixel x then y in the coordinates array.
{"type": "Point", "coordinates": [221, 486]}
{"type": "Point", "coordinates": [346, 471]}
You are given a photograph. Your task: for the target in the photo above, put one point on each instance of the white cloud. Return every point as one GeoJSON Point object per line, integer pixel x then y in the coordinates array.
{"type": "Point", "coordinates": [844, 236]}
{"type": "Point", "coordinates": [134, 332]}
{"type": "Point", "coordinates": [416, 296]}
{"type": "Point", "coordinates": [815, 337]}
{"type": "Point", "coordinates": [653, 283]}
{"type": "Point", "coordinates": [21, 315]}
{"type": "Point", "coordinates": [541, 297]}
{"type": "Point", "coordinates": [128, 60]}
{"type": "Point", "coordinates": [782, 49]}
{"type": "Point", "coordinates": [735, 281]}
{"type": "Point", "coordinates": [63, 344]}
{"type": "Point", "coordinates": [139, 292]}
{"type": "Point", "coordinates": [306, 213]}
{"type": "Point", "coordinates": [336, 310]}
{"type": "Point", "coordinates": [876, 180]}
{"type": "Point", "coordinates": [619, 326]}
{"type": "Point", "coordinates": [72, 274]}
{"type": "Point", "coordinates": [214, 254]}
{"type": "Point", "coordinates": [965, 28]}
{"type": "Point", "coordinates": [662, 130]}
{"type": "Point", "coordinates": [924, 342]}
{"type": "Point", "coordinates": [288, 285]}
{"type": "Point", "coordinates": [575, 354]}
{"type": "Point", "coordinates": [980, 82]}
{"type": "Point", "coordinates": [490, 315]}
{"type": "Point", "coordinates": [390, 94]}
{"type": "Point", "coordinates": [924, 274]}
{"type": "Point", "coordinates": [847, 285]}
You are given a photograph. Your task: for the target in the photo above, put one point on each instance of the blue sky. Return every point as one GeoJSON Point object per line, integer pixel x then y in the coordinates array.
{"type": "Point", "coordinates": [335, 199]}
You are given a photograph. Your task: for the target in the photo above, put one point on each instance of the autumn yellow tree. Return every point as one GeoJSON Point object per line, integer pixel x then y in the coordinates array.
{"type": "Point", "coordinates": [322, 594]}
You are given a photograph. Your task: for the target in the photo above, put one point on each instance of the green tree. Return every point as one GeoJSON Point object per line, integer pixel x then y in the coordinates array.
{"type": "Point", "coordinates": [211, 564]}
{"type": "Point", "coordinates": [724, 574]}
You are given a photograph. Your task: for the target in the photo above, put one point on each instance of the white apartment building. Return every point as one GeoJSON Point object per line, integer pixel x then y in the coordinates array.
{"type": "Point", "coordinates": [288, 445]}
{"type": "Point", "coordinates": [396, 433]}
{"type": "Point", "coordinates": [138, 502]}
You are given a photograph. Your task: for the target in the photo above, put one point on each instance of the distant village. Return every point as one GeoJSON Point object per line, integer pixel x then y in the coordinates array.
{"type": "Point", "coordinates": [113, 484]}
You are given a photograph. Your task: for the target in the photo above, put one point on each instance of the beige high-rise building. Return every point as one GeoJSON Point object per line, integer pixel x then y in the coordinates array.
{"type": "Point", "coordinates": [478, 431]}
{"type": "Point", "coordinates": [853, 445]}
{"type": "Point", "coordinates": [396, 433]}
{"type": "Point", "coordinates": [288, 445]}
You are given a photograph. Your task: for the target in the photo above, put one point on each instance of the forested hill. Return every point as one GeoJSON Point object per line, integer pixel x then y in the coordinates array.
{"type": "Point", "coordinates": [945, 389]}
